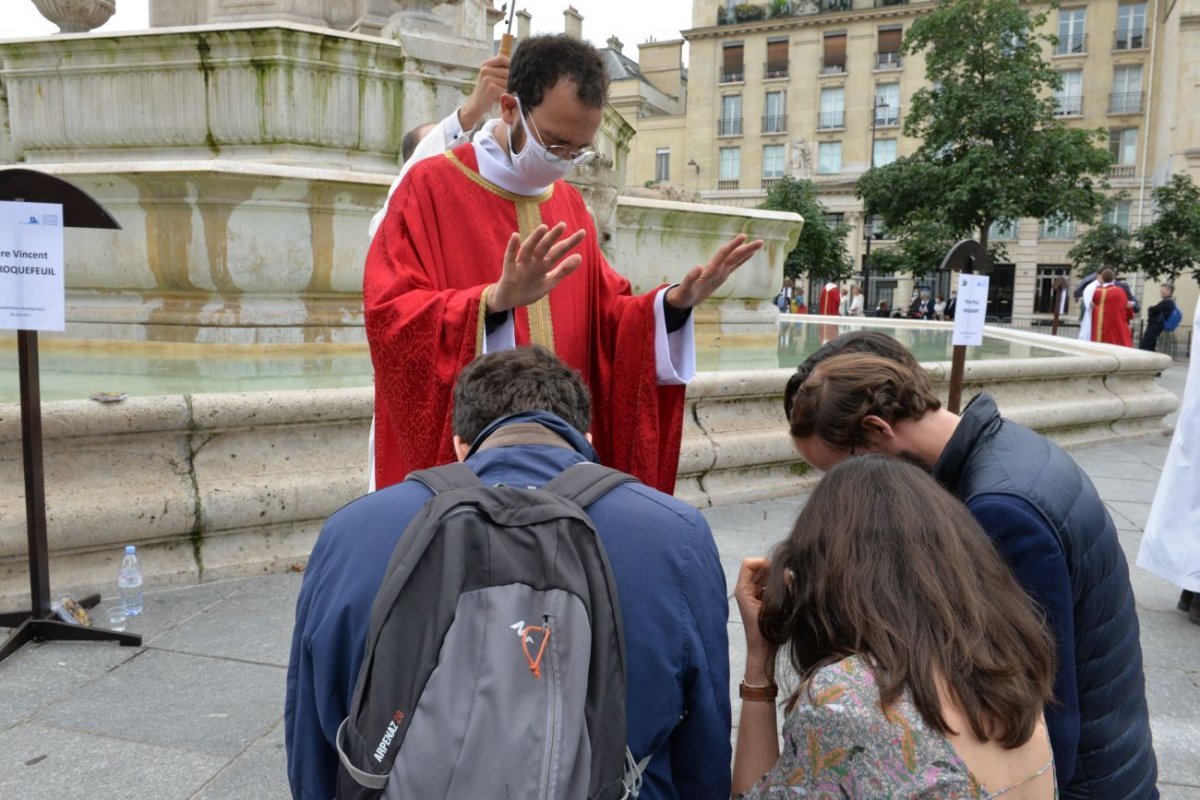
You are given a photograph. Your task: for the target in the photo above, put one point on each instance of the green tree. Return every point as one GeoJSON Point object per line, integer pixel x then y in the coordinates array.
{"type": "Point", "coordinates": [991, 148]}
{"type": "Point", "coordinates": [1171, 243]}
{"type": "Point", "coordinates": [820, 251]}
{"type": "Point", "coordinates": [1104, 245]}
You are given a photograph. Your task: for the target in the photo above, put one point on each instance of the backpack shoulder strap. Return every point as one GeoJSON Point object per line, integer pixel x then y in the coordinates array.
{"type": "Point", "coordinates": [446, 478]}
{"type": "Point", "coordinates": [584, 484]}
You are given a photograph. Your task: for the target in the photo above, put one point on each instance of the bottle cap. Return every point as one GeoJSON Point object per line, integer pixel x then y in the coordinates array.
{"type": "Point", "coordinates": [130, 549]}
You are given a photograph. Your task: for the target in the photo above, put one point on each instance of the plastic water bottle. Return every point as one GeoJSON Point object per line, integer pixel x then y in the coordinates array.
{"type": "Point", "coordinates": [129, 581]}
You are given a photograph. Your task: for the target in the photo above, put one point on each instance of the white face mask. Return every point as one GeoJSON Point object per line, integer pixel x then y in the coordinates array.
{"type": "Point", "coordinates": [534, 165]}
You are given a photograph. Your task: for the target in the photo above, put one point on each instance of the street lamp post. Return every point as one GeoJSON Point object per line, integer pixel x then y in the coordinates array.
{"type": "Point", "coordinates": [868, 231]}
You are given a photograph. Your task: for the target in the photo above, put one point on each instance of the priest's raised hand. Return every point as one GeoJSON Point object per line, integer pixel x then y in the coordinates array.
{"type": "Point", "coordinates": [700, 283]}
{"type": "Point", "coordinates": [533, 267]}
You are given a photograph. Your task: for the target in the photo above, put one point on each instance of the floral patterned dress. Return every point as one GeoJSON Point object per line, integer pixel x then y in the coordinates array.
{"type": "Point", "coordinates": [839, 743]}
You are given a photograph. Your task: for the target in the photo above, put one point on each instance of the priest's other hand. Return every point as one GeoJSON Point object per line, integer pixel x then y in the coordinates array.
{"type": "Point", "coordinates": [491, 83]}
{"type": "Point", "coordinates": [534, 267]}
{"type": "Point", "coordinates": [699, 284]}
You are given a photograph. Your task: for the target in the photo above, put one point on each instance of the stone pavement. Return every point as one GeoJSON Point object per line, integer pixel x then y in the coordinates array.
{"type": "Point", "coordinates": [198, 711]}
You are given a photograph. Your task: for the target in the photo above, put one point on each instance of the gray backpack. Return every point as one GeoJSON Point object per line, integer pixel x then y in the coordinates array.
{"type": "Point", "coordinates": [495, 658]}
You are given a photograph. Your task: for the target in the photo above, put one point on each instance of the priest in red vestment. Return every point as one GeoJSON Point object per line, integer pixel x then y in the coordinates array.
{"type": "Point", "coordinates": [831, 300]}
{"type": "Point", "coordinates": [1111, 312]}
{"type": "Point", "coordinates": [485, 247]}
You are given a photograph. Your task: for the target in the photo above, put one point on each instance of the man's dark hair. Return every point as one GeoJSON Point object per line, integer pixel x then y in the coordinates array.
{"type": "Point", "coordinates": [411, 139]}
{"type": "Point", "coordinates": [511, 381]}
{"type": "Point", "coordinates": [1107, 275]}
{"type": "Point", "coordinates": [540, 62]}
{"type": "Point", "coordinates": [868, 342]}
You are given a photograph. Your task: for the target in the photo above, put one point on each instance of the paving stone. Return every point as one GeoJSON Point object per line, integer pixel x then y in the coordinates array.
{"type": "Point", "coordinates": [260, 773]}
{"type": "Point", "coordinates": [40, 675]}
{"type": "Point", "coordinates": [208, 705]}
{"type": "Point", "coordinates": [253, 623]}
{"type": "Point", "coordinates": [38, 762]}
{"type": "Point", "coordinates": [1169, 641]}
{"type": "Point", "coordinates": [1129, 489]}
{"type": "Point", "coordinates": [1100, 468]}
{"type": "Point", "coordinates": [1175, 721]}
{"type": "Point", "coordinates": [1172, 791]}
{"type": "Point", "coordinates": [1134, 513]}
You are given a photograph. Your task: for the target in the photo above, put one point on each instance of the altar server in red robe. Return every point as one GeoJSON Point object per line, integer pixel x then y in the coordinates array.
{"type": "Point", "coordinates": [485, 248]}
{"type": "Point", "coordinates": [831, 300]}
{"type": "Point", "coordinates": [1111, 312]}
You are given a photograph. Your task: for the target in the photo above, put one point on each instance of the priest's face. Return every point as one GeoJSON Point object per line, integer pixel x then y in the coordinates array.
{"type": "Point", "coordinates": [565, 125]}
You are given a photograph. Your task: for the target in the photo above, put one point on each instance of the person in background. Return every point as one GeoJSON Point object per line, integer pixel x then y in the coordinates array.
{"type": "Point", "coordinates": [1111, 311]}
{"type": "Point", "coordinates": [936, 690]}
{"type": "Point", "coordinates": [857, 301]}
{"type": "Point", "coordinates": [939, 308]}
{"type": "Point", "coordinates": [1171, 544]}
{"type": "Point", "coordinates": [866, 395]}
{"type": "Point", "coordinates": [1156, 316]}
{"type": "Point", "coordinates": [883, 309]}
{"type": "Point", "coordinates": [798, 304]}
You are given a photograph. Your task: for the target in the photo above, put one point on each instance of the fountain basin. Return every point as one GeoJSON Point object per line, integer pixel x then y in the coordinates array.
{"type": "Point", "coordinates": [213, 484]}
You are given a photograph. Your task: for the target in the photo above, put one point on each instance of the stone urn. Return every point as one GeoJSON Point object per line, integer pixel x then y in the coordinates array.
{"type": "Point", "coordinates": [76, 16]}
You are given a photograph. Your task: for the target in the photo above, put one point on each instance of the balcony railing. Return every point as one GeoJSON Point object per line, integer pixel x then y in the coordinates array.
{"type": "Point", "coordinates": [729, 127]}
{"type": "Point", "coordinates": [833, 66]}
{"type": "Point", "coordinates": [767, 183]}
{"type": "Point", "coordinates": [1125, 103]}
{"type": "Point", "coordinates": [1070, 105]}
{"type": "Point", "coordinates": [1122, 171]}
{"type": "Point", "coordinates": [774, 123]}
{"type": "Point", "coordinates": [887, 61]}
{"type": "Point", "coordinates": [779, 70]}
{"type": "Point", "coordinates": [831, 119]}
{"type": "Point", "coordinates": [727, 185]}
{"type": "Point", "coordinates": [733, 75]}
{"type": "Point", "coordinates": [1073, 44]}
{"type": "Point", "coordinates": [882, 3]}
{"type": "Point", "coordinates": [1130, 40]}
{"type": "Point", "coordinates": [756, 12]}
{"type": "Point", "coordinates": [887, 117]}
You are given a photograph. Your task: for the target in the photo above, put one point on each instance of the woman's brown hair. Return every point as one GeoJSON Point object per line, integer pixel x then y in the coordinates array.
{"type": "Point", "coordinates": [887, 565]}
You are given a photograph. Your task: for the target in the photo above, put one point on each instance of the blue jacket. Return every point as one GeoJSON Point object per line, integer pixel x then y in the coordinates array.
{"type": "Point", "coordinates": [1048, 522]}
{"type": "Point", "coordinates": [673, 600]}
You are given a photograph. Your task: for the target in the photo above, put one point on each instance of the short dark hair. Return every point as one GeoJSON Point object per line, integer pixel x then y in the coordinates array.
{"type": "Point", "coordinates": [1107, 275]}
{"type": "Point", "coordinates": [409, 143]}
{"type": "Point", "coordinates": [522, 379]}
{"type": "Point", "coordinates": [887, 565]}
{"type": "Point", "coordinates": [844, 390]}
{"type": "Point", "coordinates": [540, 62]}
{"type": "Point", "coordinates": [871, 342]}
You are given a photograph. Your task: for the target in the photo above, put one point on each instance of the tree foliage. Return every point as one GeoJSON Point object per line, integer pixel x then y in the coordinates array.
{"type": "Point", "coordinates": [1104, 245]}
{"type": "Point", "coordinates": [821, 250]}
{"type": "Point", "coordinates": [1171, 243]}
{"type": "Point", "coordinates": [991, 148]}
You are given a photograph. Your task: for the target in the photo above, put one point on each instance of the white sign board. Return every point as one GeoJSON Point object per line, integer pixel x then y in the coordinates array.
{"type": "Point", "coordinates": [32, 289]}
{"type": "Point", "coordinates": [970, 309]}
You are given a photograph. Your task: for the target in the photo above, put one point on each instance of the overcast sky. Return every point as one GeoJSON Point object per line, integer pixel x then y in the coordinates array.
{"type": "Point", "coordinates": [633, 21]}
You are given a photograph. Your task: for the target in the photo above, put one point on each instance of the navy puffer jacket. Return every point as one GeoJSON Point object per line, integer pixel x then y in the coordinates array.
{"type": "Point", "coordinates": [996, 463]}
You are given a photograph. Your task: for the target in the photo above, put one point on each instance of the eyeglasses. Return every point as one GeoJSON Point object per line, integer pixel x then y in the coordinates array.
{"type": "Point", "coordinates": [560, 152]}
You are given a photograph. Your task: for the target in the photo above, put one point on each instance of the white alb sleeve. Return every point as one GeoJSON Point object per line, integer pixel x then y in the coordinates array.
{"type": "Point", "coordinates": [674, 353]}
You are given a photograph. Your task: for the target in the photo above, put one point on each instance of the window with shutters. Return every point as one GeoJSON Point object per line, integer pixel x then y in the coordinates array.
{"type": "Point", "coordinates": [662, 164]}
{"type": "Point", "coordinates": [1131, 27]}
{"type": "Point", "coordinates": [777, 59]}
{"type": "Point", "coordinates": [733, 67]}
{"type": "Point", "coordinates": [730, 123]}
{"type": "Point", "coordinates": [775, 113]}
{"type": "Point", "coordinates": [1126, 97]}
{"type": "Point", "coordinates": [773, 164]}
{"type": "Point", "coordinates": [1068, 100]}
{"type": "Point", "coordinates": [731, 168]}
{"type": "Point", "coordinates": [887, 104]}
{"type": "Point", "coordinates": [829, 158]}
{"type": "Point", "coordinates": [833, 60]}
{"type": "Point", "coordinates": [887, 54]}
{"type": "Point", "coordinates": [1072, 38]}
{"type": "Point", "coordinates": [833, 108]}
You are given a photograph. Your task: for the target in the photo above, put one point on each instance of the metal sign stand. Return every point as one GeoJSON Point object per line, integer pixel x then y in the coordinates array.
{"type": "Point", "coordinates": [40, 624]}
{"type": "Point", "coordinates": [967, 257]}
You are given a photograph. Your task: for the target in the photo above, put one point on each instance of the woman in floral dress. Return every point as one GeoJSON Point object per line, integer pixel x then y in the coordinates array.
{"type": "Point", "coordinates": [923, 667]}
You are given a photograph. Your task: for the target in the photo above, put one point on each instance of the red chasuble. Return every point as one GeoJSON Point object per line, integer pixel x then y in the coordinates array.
{"type": "Point", "coordinates": [831, 300]}
{"type": "Point", "coordinates": [440, 244]}
{"type": "Point", "coordinates": [1111, 315]}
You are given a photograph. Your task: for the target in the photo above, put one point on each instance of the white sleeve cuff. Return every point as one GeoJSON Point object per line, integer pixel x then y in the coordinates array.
{"type": "Point", "coordinates": [503, 338]}
{"type": "Point", "coordinates": [674, 353]}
